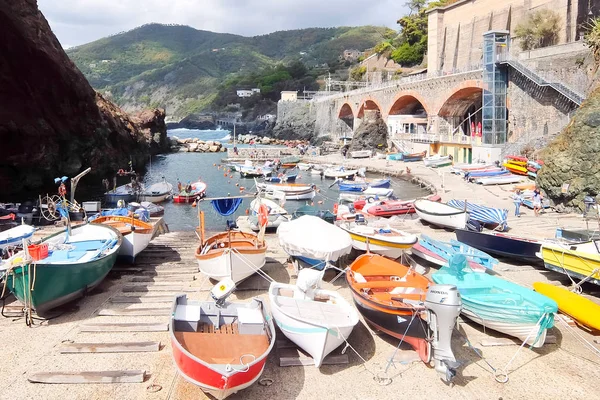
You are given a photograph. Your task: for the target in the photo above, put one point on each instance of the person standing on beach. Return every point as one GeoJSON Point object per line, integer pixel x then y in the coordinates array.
{"type": "Point", "coordinates": [517, 199]}
{"type": "Point", "coordinates": [537, 202]}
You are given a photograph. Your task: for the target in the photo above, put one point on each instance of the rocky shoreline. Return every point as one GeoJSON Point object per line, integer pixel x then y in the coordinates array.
{"type": "Point", "coordinates": [195, 145]}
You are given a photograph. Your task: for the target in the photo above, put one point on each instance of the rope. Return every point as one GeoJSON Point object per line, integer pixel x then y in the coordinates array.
{"type": "Point", "coordinates": [230, 367]}
{"type": "Point", "coordinates": [401, 341]}
{"type": "Point", "coordinates": [260, 272]}
{"type": "Point", "coordinates": [581, 339]}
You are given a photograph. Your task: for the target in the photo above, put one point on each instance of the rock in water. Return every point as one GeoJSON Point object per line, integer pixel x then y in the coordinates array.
{"type": "Point", "coordinates": [372, 133]}
{"type": "Point", "coordinates": [574, 158]}
{"type": "Point", "coordinates": [52, 122]}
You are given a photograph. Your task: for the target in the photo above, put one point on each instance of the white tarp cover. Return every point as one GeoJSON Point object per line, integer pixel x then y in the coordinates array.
{"type": "Point", "coordinates": [310, 236]}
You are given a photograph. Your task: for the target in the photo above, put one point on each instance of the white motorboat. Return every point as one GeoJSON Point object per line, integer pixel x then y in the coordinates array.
{"type": "Point", "coordinates": [339, 172]}
{"type": "Point", "coordinates": [233, 254]}
{"type": "Point", "coordinates": [441, 214]}
{"type": "Point", "coordinates": [317, 320]}
{"type": "Point", "coordinates": [304, 166]}
{"type": "Point", "coordinates": [123, 192]}
{"type": "Point", "coordinates": [292, 191]}
{"type": "Point", "coordinates": [361, 153]}
{"type": "Point", "coordinates": [386, 241]}
{"type": "Point", "coordinates": [499, 180]}
{"type": "Point", "coordinates": [157, 192]}
{"type": "Point", "coordinates": [15, 236]}
{"type": "Point", "coordinates": [276, 213]}
{"type": "Point", "coordinates": [437, 161]}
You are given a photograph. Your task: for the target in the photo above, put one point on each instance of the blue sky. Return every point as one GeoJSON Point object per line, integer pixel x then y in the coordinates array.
{"type": "Point", "coordinates": [77, 22]}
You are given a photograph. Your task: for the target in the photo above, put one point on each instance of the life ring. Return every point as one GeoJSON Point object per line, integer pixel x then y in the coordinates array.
{"type": "Point", "coordinates": [263, 215]}
{"type": "Point", "coordinates": [121, 172]}
{"type": "Point", "coordinates": [335, 208]}
{"type": "Point", "coordinates": [62, 190]}
{"type": "Point", "coordinates": [370, 200]}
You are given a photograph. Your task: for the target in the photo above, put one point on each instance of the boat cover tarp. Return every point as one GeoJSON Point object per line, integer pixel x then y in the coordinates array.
{"type": "Point", "coordinates": [483, 214]}
{"type": "Point", "coordinates": [310, 236]}
{"type": "Point", "coordinates": [226, 206]}
{"type": "Point", "coordinates": [315, 211]}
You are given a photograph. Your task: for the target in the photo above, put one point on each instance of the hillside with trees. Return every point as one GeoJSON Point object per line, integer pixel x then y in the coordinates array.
{"type": "Point", "coordinates": [186, 70]}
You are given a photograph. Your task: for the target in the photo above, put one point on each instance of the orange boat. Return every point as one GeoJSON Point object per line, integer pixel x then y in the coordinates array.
{"type": "Point", "coordinates": [385, 293]}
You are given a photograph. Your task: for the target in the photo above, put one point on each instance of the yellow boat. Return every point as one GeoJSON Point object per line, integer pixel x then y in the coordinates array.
{"type": "Point", "coordinates": [516, 168]}
{"type": "Point", "coordinates": [584, 311]}
{"type": "Point", "coordinates": [388, 241]}
{"type": "Point", "coordinates": [580, 260]}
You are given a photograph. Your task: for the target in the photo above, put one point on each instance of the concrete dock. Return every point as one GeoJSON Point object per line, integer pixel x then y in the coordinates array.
{"type": "Point", "coordinates": [141, 295]}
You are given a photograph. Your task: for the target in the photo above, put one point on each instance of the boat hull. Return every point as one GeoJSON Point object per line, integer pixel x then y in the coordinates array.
{"type": "Point", "coordinates": [133, 244]}
{"type": "Point", "coordinates": [584, 311]}
{"type": "Point", "coordinates": [113, 198]}
{"type": "Point", "coordinates": [519, 331]}
{"type": "Point", "coordinates": [502, 245]}
{"type": "Point", "coordinates": [575, 263]}
{"type": "Point", "coordinates": [60, 283]}
{"type": "Point", "coordinates": [397, 325]}
{"type": "Point", "coordinates": [155, 198]}
{"type": "Point", "coordinates": [452, 221]}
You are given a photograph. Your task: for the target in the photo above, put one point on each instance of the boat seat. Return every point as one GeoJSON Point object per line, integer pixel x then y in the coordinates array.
{"type": "Point", "coordinates": [223, 348]}
{"type": "Point", "coordinates": [381, 284]}
{"type": "Point", "coordinates": [58, 256]}
{"type": "Point", "coordinates": [88, 245]}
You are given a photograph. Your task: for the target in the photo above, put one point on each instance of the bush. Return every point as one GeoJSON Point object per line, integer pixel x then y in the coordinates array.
{"type": "Point", "coordinates": [408, 55]}
{"type": "Point", "coordinates": [357, 74]}
{"type": "Point", "coordinates": [540, 29]}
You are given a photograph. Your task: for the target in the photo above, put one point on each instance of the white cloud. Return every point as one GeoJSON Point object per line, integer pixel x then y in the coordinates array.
{"type": "Point", "coordinates": [80, 21]}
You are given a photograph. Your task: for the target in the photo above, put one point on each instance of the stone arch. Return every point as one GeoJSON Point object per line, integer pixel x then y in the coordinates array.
{"type": "Point", "coordinates": [369, 104]}
{"type": "Point", "coordinates": [407, 114]}
{"type": "Point", "coordinates": [346, 115]}
{"type": "Point", "coordinates": [408, 103]}
{"type": "Point", "coordinates": [461, 107]}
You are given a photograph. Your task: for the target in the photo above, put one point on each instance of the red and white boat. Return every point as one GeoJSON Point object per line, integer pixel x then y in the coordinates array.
{"type": "Point", "coordinates": [221, 347]}
{"type": "Point", "coordinates": [388, 208]}
{"type": "Point", "coordinates": [198, 191]}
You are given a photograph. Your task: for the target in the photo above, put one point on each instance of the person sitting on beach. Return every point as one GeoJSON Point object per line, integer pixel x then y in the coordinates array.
{"type": "Point", "coordinates": [537, 202]}
{"type": "Point", "coordinates": [517, 199]}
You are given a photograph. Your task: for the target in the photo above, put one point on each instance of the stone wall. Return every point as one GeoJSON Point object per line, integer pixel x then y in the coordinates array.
{"type": "Point", "coordinates": [456, 31]}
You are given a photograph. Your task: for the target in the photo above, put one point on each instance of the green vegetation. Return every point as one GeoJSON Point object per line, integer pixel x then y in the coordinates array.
{"type": "Point", "coordinates": [592, 39]}
{"type": "Point", "coordinates": [357, 73]}
{"type": "Point", "coordinates": [540, 29]}
{"type": "Point", "coordinates": [408, 47]}
{"type": "Point", "coordinates": [180, 68]}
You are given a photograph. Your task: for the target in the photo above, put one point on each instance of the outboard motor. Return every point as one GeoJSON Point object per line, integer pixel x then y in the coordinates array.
{"type": "Point", "coordinates": [444, 305]}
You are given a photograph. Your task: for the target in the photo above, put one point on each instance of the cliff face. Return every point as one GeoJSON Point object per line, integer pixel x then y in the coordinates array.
{"type": "Point", "coordinates": [573, 157]}
{"type": "Point", "coordinates": [372, 133]}
{"type": "Point", "coordinates": [51, 120]}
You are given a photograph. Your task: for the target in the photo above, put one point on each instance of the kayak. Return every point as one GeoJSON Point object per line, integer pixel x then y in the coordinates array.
{"type": "Point", "coordinates": [584, 311]}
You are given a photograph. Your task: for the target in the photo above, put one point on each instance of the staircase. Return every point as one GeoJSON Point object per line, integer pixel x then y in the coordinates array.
{"type": "Point", "coordinates": [536, 78]}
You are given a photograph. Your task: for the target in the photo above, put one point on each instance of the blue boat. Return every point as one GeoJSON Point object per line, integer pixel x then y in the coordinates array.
{"type": "Point", "coordinates": [498, 304]}
{"type": "Point", "coordinates": [447, 250]}
{"type": "Point", "coordinates": [483, 214]}
{"type": "Point", "coordinates": [283, 178]}
{"type": "Point", "coordinates": [500, 244]}
{"type": "Point", "coordinates": [480, 174]}
{"type": "Point", "coordinates": [381, 183]}
{"type": "Point", "coordinates": [351, 187]}
{"type": "Point", "coordinates": [395, 156]}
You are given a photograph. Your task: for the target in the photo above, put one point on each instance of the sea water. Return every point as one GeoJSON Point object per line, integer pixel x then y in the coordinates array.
{"type": "Point", "coordinates": [190, 167]}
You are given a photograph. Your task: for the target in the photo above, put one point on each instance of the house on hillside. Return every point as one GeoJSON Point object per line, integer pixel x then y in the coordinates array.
{"type": "Point", "coordinates": [247, 92]}
{"type": "Point", "coordinates": [351, 55]}
{"type": "Point", "coordinates": [288, 95]}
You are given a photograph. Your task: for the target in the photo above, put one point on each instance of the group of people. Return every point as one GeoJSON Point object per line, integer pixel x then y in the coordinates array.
{"type": "Point", "coordinates": [536, 202]}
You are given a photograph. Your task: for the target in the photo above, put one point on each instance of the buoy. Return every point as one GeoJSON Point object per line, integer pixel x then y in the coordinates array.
{"type": "Point", "coordinates": [242, 188]}
{"type": "Point", "coordinates": [247, 211]}
{"type": "Point", "coordinates": [237, 184]}
{"type": "Point", "coordinates": [225, 175]}
{"type": "Point", "coordinates": [228, 181]}
{"type": "Point", "coordinates": [215, 164]}
{"type": "Point", "coordinates": [312, 203]}
{"type": "Point", "coordinates": [318, 190]}
{"type": "Point", "coordinates": [320, 202]}
{"type": "Point", "coordinates": [231, 176]}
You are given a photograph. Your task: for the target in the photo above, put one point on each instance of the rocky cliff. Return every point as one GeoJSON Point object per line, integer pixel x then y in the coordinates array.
{"type": "Point", "coordinates": [574, 157]}
{"type": "Point", "coordinates": [372, 133]}
{"type": "Point", "coordinates": [52, 122]}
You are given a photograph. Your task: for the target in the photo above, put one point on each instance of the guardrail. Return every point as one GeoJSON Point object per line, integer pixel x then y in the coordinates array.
{"type": "Point", "coordinates": [435, 138]}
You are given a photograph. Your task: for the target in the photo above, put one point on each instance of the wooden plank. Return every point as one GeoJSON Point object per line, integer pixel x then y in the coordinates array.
{"type": "Point", "coordinates": [127, 347]}
{"type": "Point", "coordinates": [168, 272]}
{"type": "Point", "coordinates": [138, 312]}
{"type": "Point", "coordinates": [489, 342]}
{"type": "Point", "coordinates": [125, 327]}
{"type": "Point", "coordinates": [126, 376]}
{"type": "Point", "coordinates": [156, 288]}
{"type": "Point", "coordinates": [141, 299]}
{"type": "Point", "coordinates": [170, 279]}
{"type": "Point", "coordinates": [293, 358]}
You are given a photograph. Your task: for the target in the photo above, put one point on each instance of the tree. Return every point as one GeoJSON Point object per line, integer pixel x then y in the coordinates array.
{"type": "Point", "coordinates": [415, 5]}
{"type": "Point", "coordinates": [592, 39]}
{"type": "Point", "coordinates": [540, 29]}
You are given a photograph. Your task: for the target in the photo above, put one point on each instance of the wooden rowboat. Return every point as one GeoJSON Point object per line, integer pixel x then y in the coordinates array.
{"type": "Point", "coordinates": [441, 214]}
{"type": "Point", "coordinates": [77, 262]}
{"type": "Point", "coordinates": [136, 234]}
{"type": "Point", "coordinates": [233, 254]}
{"type": "Point", "coordinates": [388, 241]}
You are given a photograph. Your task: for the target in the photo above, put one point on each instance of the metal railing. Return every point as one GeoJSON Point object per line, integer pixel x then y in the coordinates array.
{"type": "Point", "coordinates": [540, 80]}
{"type": "Point", "coordinates": [396, 83]}
{"type": "Point", "coordinates": [434, 138]}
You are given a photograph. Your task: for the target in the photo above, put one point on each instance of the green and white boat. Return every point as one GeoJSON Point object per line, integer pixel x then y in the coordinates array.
{"type": "Point", "coordinates": [76, 263]}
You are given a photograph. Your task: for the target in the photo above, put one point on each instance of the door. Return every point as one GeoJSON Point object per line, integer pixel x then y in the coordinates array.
{"type": "Point", "coordinates": [470, 155]}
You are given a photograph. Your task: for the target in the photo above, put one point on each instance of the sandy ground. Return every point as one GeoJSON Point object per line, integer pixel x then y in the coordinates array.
{"type": "Point", "coordinates": [566, 369]}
